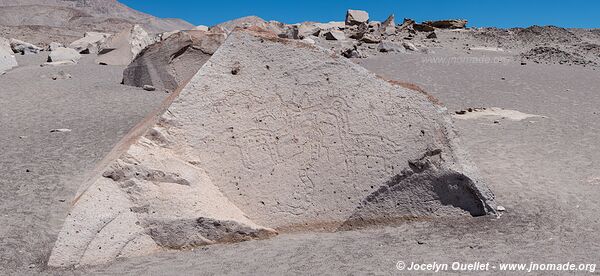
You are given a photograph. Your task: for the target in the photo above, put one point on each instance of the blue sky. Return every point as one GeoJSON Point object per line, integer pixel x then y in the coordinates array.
{"type": "Point", "coordinates": [480, 13]}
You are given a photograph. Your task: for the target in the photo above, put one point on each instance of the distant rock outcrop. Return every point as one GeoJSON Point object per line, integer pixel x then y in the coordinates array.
{"type": "Point", "coordinates": [243, 22]}
{"type": "Point", "coordinates": [106, 15]}
{"type": "Point", "coordinates": [356, 17]}
{"type": "Point", "coordinates": [448, 24]}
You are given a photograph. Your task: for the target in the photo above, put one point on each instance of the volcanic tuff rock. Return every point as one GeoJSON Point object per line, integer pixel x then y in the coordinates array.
{"type": "Point", "coordinates": [123, 47]}
{"type": "Point", "coordinates": [90, 43]}
{"type": "Point", "coordinates": [243, 22]}
{"type": "Point", "coordinates": [64, 54]}
{"type": "Point", "coordinates": [448, 24]}
{"type": "Point", "coordinates": [258, 140]}
{"type": "Point", "coordinates": [7, 59]}
{"type": "Point", "coordinates": [168, 63]}
{"type": "Point", "coordinates": [356, 17]}
{"type": "Point", "coordinates": [23, 47]}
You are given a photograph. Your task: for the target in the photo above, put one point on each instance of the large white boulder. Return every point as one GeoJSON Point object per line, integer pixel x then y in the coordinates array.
{"type": "Point", "coordinates": [90, 43]}
{"type": "Point", "coordinates": [271, 134]}
{"type": "Point", "coordinates": [201, 28]}
{"type": "Point", "coordinates": [7, 59]}
{"type": "Point", "coordinates": [123, 47]}
{"type": "Point", "coordinates": [62, 54]}
{"type": "Point", "coordinates": [356, 17]}
{"type": "Point", "coordinates": [23, 47]}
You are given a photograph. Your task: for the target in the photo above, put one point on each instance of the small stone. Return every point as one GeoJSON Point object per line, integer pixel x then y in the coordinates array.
{"type": "Point", "coordinates": [432, 35]}
{"type": "Point", "coordinates": [523, 63]}
{"type": "Point", "coordinates": [369, 38]}
{"type": "Point", "coordinates": [149, 87]}
{"type": "Point", "coordinates": [501, 208]}
{"type": "Point", "coordinates": [61, 75]}
{"type": "Point", "coordinates": [409, 46]}
{"type": "Point", "coordinates": [335, 35]}
{"type": "Point", "coordinates": [60, 130]}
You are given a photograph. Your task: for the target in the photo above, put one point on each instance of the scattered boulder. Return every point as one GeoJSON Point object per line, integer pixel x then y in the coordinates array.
{"type": "Point", "coordinates": [243, 22]}
{"type": "Point", "coordinates": [388, 27]}
{"type": "Point", "coordinates": [448, 24]}
{"type": "Point", "coordinates": [374, 25]}
{"type": "Point", "coordinates": [149, 87]}
{"type": "Point", "coordinates": [55, 45]}
{"type": "Point", "coordinates": [332, 25]}
{"type": "Point", "coordinates": [309, 41]}
{"type": "Point", "coordinates": [7, 59]}
{"type": "Point", "coordinates": [409, 46]}
{"type": "Point", "coordinates": [166, 35]}
{"type": "Point", "coordinates": [24, 48]}
{"type": "Point", "coordinates": [356, 17]}
{"type": "Point", "coordinates": [64, 54]}
{"type": "Point", "coordinates": [406, 24]}
{"type": "Point", "coordinates": [242, 156]}
{"type": "Point", "coordinates": [61, 75]}
{"type": "Point", "coordinates": [307, 29]}
{"type": "Point", "coordinates": [387, 46]}
{"type": "Point", "coordinates": [123, 47]}
{"type": "Point", "coordinates": [201, 28]}
{"type": "Point", "coordinates": [350, 50]}
{"type": "Point", "coordinates": [167, 64]}
{"type": "Point", "coordinates": [58, 63]}
{"type": "Point", "coordinates": [275, 26]}
{"type": "Point", "coordinates": [432, 35]}
{"type": "Point", "coordinates": [334, 35]}
{"type": "Point", "coordinates": [90, 43]}
{"type": "Point", "coordinates": [357, 31]}
{"type": "Point", "coordinates": [423, 27]}
{"type": "Point", "coordinates": [370, 38]}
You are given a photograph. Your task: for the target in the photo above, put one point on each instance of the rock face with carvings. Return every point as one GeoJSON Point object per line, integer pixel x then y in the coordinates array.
{"type": "Point", "coordinates": [259, 143]}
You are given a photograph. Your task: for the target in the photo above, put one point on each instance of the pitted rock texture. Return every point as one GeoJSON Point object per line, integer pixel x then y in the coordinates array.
{"type": "Point", "coordinates": [270, 134]}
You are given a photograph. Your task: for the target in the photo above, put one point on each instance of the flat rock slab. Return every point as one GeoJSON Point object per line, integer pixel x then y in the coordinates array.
{"type": "Point", "coordinates": [272, 135]}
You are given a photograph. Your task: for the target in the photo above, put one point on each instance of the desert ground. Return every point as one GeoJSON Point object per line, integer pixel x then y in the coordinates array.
{"type": "Point", "coordinates": [523, 103]}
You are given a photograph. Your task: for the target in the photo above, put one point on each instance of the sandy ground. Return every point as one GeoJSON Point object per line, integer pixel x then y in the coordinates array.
{"type": "Point", "coordinates": [543, 170]}
{"type": "Point", "coordinates": [39, 168]}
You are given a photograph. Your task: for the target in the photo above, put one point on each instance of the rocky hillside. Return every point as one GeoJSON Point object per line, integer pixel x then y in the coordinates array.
{"type": "Point", "coordinates": [98, 15]}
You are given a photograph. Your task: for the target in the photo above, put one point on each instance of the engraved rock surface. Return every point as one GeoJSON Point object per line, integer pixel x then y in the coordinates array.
{"type": "Point", "coordinates": [270, 134]}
